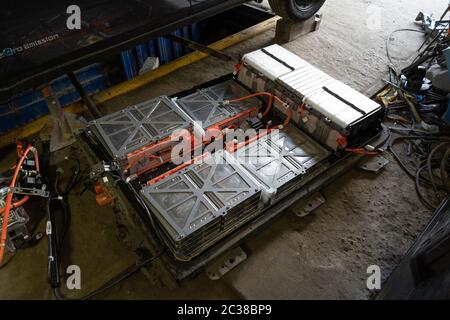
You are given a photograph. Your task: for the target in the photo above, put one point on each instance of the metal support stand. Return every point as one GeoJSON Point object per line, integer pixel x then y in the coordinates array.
{"type": "Point", "coordinates": [288, 30]}
{"type": "Point", "coordinates": [60, 129]}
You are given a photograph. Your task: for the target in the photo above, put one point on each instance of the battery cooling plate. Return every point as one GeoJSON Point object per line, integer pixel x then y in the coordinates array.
{"type": "Point", "coordinates": [137, 126]}
{"type": "Point", "coordinates": [206, 105]}
{"type": "Point", "coordinates": [278, 158]}
{"type": "Point", "coordinates": [199, 197]}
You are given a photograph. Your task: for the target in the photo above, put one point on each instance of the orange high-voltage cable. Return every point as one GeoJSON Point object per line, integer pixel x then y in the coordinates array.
{"type": "Point", "coordinates": [9, 204]}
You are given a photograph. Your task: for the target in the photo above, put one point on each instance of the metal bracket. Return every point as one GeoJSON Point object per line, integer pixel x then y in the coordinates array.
{"type": "Point", "coordinates": [374, 164]}
{"type": "Point", "coordinates": [31, 192]}
{"type": "Point", "coordinates": [199, 47]}
{"type": "Point", "coordinates": [226, 264]}
{"type": "Point", "coordinates": [309, 204]}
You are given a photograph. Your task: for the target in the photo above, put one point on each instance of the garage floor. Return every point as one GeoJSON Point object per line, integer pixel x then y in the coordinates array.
{"type": "Point", "coordinates": [366, 219]}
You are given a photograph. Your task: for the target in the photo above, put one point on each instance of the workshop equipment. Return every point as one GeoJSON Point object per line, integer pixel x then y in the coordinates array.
{"type": "Point", "coordinates": [18, 233]}
{"type": "Point", "coordinates": [26, 181]}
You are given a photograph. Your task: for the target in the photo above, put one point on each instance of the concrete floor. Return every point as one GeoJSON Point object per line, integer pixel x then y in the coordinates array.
{"type": "Point", "coordinates": [366, 219]}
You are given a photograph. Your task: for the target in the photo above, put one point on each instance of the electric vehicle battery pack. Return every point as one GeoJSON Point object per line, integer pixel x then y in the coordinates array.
{"type": "Point", "coordinates": [202, 203]}
{"type": "Point", "coordinates": [332, 112]}
{"type": "Point", "coordinates": [126, 134]}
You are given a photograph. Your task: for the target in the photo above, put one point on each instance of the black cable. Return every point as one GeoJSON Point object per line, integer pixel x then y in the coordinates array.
{"type": "Point", "coordinates": [399, 160]}
{"type": "Point", "coordinates": [76, 177]}
{"type": "Point", "coordinates": [4, 264]}
{"type": "Point", "coordinates": [73, 181]}
{"type": "Point", "coordinates": [388, 42]}
{"type": "Point", "coordinates": [417, 187]}
{"type": "Point", "coordinates": [53, 259]}
{"type": "Point", "coordinates": [444, 174]}
{"type": "Point", "coordinates": [425, 164]}
{"type": "Point", "coordinates": [148, 212]}
{"type": "Point", "coordinates": [429, 164]}
{"type": "Point", "coordinates": [112, 282]}
{"type": "Point", "coordinates": [65, 216]}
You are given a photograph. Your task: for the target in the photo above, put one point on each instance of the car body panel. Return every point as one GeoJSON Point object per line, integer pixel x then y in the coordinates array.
{"type": "Point", "coordinates": [36, 45]}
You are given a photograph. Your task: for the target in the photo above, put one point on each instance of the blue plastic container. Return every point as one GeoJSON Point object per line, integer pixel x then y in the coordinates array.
{"type": "Point", "coordinates": [151, 45]}
{"type": "Point", "coordinates": [128, 63]}
{"type": "Point", "coordinates": [31, 112]}
{"type": "Point", "coordinates": [177, 47]}
{"type": "Point", "coordinates": [7, 119]}
{"type": "Point", "coordinates": [141, 53]}
{"type": "Point", "coordinates": [186, 33]}
{"type": "Point", "coordinates": [30, 104]}
{"type": "Point", "coordinates": [165, 50]}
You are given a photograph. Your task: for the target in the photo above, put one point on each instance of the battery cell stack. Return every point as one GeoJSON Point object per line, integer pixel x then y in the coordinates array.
{"type": "Point", "coordinates": [202, 203]}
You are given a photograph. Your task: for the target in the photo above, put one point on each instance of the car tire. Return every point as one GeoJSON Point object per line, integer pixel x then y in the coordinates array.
{"type": "Point", "coordinates": [297, 10]}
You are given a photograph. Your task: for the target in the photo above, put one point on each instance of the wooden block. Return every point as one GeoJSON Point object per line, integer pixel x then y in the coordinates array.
{"type": "Point", "coordinates": [288, 30]}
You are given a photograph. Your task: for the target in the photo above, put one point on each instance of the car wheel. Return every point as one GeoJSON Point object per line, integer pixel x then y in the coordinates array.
{"type": "Point", "coordinates": [297, 10]}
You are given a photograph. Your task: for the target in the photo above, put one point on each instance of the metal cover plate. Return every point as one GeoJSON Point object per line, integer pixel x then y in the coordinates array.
{"type": "Point", "coordinates": [206, 105]}
{"type": "Point", "coordinates": [199, 194]}
{"type": "Point", "coordinates": [134, 127]}
{"type": "Point", "coordinates": [278, 158]}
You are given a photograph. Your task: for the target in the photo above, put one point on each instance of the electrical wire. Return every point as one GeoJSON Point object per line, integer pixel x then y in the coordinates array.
{"type": "Point", "coordinates": [10, 196]}
{"type": "Point", "coordinates": [66, 216]}
{"type": "Point", "coordinates": [388, 42]}
{"type": "Point", "coordinates": [4, 264]}
{"type": "Point", "coordinates": [444, 172]}
{"type": "Point", "coordinates": [112, 282]}
{"type": "Point", "coordinates": [74, 180]}
{"type": "Point", "coordinates": [429, 163]}
{"type": "Point", "coordinates": [419, 194]}
{"type": "Point", "coordinates": [16, 204]}
{"type": "Point", "coordinates": [261, 94]}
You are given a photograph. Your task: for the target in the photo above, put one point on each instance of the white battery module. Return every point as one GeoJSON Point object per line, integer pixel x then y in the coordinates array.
{"type": "Point", "coordinates": [331, 111]}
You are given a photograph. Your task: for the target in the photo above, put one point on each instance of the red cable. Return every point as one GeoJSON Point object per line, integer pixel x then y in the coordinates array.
{"type": "Point", "coordinates": [258, 94]}
{"type": "Point", "coordinates": [362, 151]}
{"type": "Point", "coordinates": [289, 117]}
{"type": "Point", "coordinates": [10, 195]}
{"type": "Point", "coordinates": [174, 170]}
{"type": "Point", "coordinates": [17, 204]}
